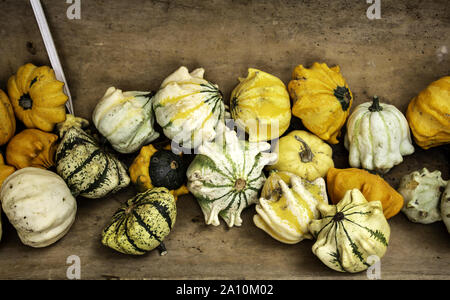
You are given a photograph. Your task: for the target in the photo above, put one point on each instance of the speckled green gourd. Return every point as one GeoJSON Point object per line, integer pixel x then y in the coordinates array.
{"type": "Point", "coordinates": [445, 206]}
{"type": "Point", "coordinates": [142, 223]}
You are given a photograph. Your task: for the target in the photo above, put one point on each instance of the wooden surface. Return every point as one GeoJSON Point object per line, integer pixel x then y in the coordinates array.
{"type": "Point", "coordinates": [134, 45]}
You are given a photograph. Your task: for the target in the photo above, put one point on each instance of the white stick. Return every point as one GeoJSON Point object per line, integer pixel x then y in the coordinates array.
{"type": "Point", "coordinates": [51, 50]}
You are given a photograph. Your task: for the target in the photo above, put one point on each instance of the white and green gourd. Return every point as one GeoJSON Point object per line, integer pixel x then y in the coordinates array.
{"type": "Point", "coordinates": [226, 176]}
{"type": "Point", "coordinates": [348, 233]}
{"type": "Point", "coordinates": [189, 108]}
{"type": "Point", "coordinates": [422, 191]}
{"type": "Point", "coordinates": [125, 119]}
{"type": "Point", "coordinates": [445, 206]}
{"type": "Point", "coordinates": [377, 136]}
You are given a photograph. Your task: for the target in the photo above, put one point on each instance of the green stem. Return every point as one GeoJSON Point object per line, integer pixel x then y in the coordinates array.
{"type": "Point", "coordinates": [306, 154]}
{"type": "Point", "coordinates": [375, 105]}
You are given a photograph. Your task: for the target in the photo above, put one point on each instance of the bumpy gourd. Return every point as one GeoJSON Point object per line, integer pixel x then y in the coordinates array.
{"type": "Point", "coordinates": [428, 114]}
{"type": "Point", "coordinates": [142, 223]}
{"type": "Point", "coordinates": [89, 170]}
{"type": "Point", "coordinates": [37, 97]}
{"type": "Point", "coordinates": [422, 192]}
{"type": "Point", "coordinates": [8, 120]}
{"type": "Point", "coordinates": [445, 206]}
{"type": "Point", "coordinates": [303, 154]}
{"type": "Point", "coordinates": [39, 205]}
{"type": "Point", "coordinates": [125, 119]}
{"type": "Point", "coordinates": [32, 148]}
{"type": "Point", "coordinates": [350, 232]}
{"type": "Point", "coordinates": [287, 205]}
{"type": "Point", "coordinates": [260, 105]}
{"type": "Point", "coordinates": [322, 99]}
{"type": "Point", "coordinates": [226, 175]}
{"type": "Point", "coordinates": [189, 108]}
{"type": "Point", "coordinates": [373, 187]}
{"type": "Point", "coordinates": [5, 170]}
{"type": "Point", "coordinates": [160, 168]}
{"type": "Point", "coordinates": [377, 136]}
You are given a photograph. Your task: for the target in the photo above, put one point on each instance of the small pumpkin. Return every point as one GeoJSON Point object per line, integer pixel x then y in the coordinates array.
{"type": "Point", "coordinates": [37, 97]}
{"type": "Point", "coordinates": [445, 206]}
{"type": "Point", "coordinates": [189, 108]}
{"type": "Point", "coordinates": [322, 99]}
{"type": "Point", "coordinates": [428, 114]}
{"type": "Point", "coordinates": [350, 232]}
{"type": "Point", "coordinates": [125, 119]}
{"type": "Point", "coordinates": [377, 136]}
{"type": "Point", "coordinates": [89, 170]}
{"type": "Point", "coordinates": [226, 175]}
{"type": "Point", "coordinates": [303, 154]}
{"type": "Point", "coordinates": [32, 148]}
{"type": "Point", "coordinates": [260, 105]}
{"type": "Point", "coordinates": [142, 223]}
{"type": "Point", "coordinates": [5, 170]}
{"type": "Point", "coordinates": [39, 205]}
{"type": "Point", "coordinates": [287, 205]}
{"type": "Point", "coordinates": [421, 190]}
{"type": "Point", "coordinates": [8, 123]}
{"type": "Point", "coordinates": [160, 168]}
{"type": "Point", "coordinates": [373, 187]}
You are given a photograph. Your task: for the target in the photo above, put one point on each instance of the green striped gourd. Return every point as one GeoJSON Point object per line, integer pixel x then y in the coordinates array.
{"type": "Point", "coordinates": [88, 170]}
{"type": "Point", "coordinates": [350, 232]}
{"type": "Point", "coordinates": [226, 176]}
{"type": "Point", "coordinates": [189, 108]}
{"type": "Point", "coordinates": [142, 223]}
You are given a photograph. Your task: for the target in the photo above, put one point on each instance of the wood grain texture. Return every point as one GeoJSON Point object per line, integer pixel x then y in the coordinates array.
{"type": "Point", "coordinates": [134, 45]}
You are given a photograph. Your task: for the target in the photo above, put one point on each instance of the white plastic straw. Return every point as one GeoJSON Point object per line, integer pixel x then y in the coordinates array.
{"type": "Point", "coordinates": [51, 49]}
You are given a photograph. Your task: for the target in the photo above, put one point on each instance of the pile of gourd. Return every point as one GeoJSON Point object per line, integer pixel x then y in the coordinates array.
{"type": "Point", "coordinates": [58, 157]}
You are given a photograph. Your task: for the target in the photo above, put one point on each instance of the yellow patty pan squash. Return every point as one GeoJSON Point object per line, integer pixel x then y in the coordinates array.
{"type": "Point", "coordinates": [322, 99]}
{"type": "Point", "coordinates": [287, 205]}
{"type": "Point", "coordinates": [373, 187]}
{"type": "Point", "coordinates": [303, 154]}
{"type": "Point", "coordinates": [8, 120]}
{"type": "Point", "coordinates": [428, 114]}
{"type": "Point", "coordinates": [5, 170]}
{"type": "Point", "coordinates": [37, 97]}
{"type": "Point", "coordinates": [348, 233]}
{"type": "Point", "coordinates": [260, 105]}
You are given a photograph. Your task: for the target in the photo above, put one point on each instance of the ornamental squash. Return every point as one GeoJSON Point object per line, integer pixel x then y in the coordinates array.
{"type": "Point", "coordinates": [189, 108]}
{"type": "Point", "coordinates": [32, 148]}
{"type": "Point", "coordinates": [322, 99]}
{"type": "Point", "coordinates": [287, 205]}
{"type": "Point", "coordinates": [39, 205]}
{"type": "Point", "coordinates": [125, 119]}
{"type": "Point", "coordinates": [445, 206]}
{"type": "Point", "coordinates": [260, 105]}
{"type": "Point", "coordinates": [303, 154]}
{"type": "Point", "coordinates": [373, 187]}
{"type": "Point", "coordinates": [422, 192]}
{"type": "Point", "coordinates": [428, 114]}
{"type": "Point", "coordinates": [5, 170]}
{"type": "Point", "coordinates": [89, 170]}
{"type": "Point", "coordinates": [142, 223]}
{"type": "Point", "coordinates": [8, 120]}
{"type": "Point", "coordinates": [226, 175]}
{"type": "Point", "coordinates": [350, 232]}
{"type": "Point", "coordinates": [160, 168]}
{"type": "Point", "coordinates": [377, 136]}
{"type": "Point", "coordinates": [37, 97]}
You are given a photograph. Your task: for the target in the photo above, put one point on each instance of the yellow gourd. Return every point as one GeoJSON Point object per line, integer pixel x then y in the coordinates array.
{"type": "Point", "coordinates": [428, 114]}
{"type": "Point", "coordinates": [37, 97]}
{"type": "Point", "coordinates": [322, 99]}
{"type": "Point", "coordinates": [5, 170]}
{"type": "Point", "coordinates": [8, 120]}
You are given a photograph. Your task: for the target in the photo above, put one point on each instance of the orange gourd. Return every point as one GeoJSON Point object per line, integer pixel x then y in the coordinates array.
{"type": "Point", "coordinates": [8, 120]}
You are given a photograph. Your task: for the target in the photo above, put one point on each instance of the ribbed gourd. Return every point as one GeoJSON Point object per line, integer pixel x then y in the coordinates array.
{"type": "Point", "coordinates": [260, 105]}
{"type": "Point", "coordinates": [189, 108]}
{"type": "Point", "coordinates": [350, 232]}
{"type": "Point", "coordinates": [421, 190]}
{"type": "Point", "coordinates": [377, 136]}
{"type": "Point", "coordinates": [8, 120]}
{"type": "Point", "coordinates": [287, 204]}
{"type": "Point", "coordinates": [142, 223]}
{"type": "Point", "coordinates": [322, 99]}
{"type": "Point", "coordinates": [445, 206]}
{"type": "Point", "coordinates": [89, 170]}
{"type": "Point", "coordinates": [37, 97]}
{"type": "Point", "coordinates": [125, 119]}
{"type": "Point", "coordinates": [226, 175]}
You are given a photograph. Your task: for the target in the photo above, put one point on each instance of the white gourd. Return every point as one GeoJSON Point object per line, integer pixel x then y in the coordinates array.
{"type": "Point", "coordinates": [445, 206]}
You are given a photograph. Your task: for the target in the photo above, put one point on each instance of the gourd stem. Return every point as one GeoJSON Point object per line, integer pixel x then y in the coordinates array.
{"type": "Point", "coordinates": [306, 154]}
{"type": "Point", "coordinates": [375, 105]}
{"type": "Point", "coordinates": [25, 102]}
{"type": "Point", "coordinates": [162, 249]}
{"type": "Point", "coordinates": [240, 184]}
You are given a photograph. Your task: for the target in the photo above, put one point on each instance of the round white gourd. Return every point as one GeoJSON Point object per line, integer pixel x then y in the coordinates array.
{"type": "Point", "coordinates": [39, 205]}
